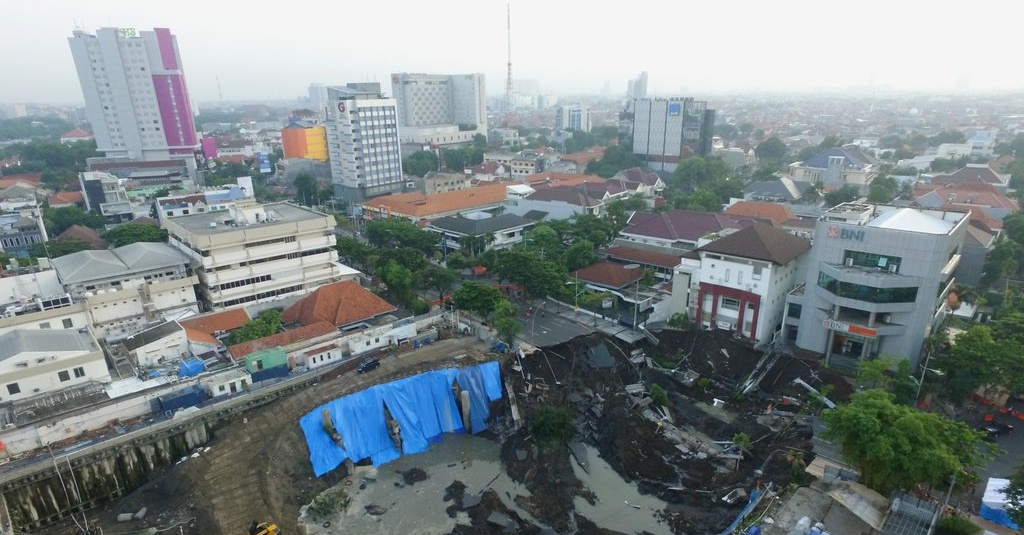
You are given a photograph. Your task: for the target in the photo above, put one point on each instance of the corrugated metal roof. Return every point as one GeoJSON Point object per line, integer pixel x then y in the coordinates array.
{"type": "Point", "coordinates": [13, 343]}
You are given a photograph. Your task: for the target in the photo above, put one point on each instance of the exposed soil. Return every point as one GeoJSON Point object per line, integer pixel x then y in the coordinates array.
{"type": "Point", "coordinates": [204, 493]}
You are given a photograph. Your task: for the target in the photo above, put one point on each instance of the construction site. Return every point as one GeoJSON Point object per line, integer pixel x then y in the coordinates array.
{"type": "Point", "coordinates": [729, 422]}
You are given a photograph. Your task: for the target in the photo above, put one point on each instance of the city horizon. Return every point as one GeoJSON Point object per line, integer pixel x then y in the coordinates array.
{"type": "Point", "coordinates": [747, 59]}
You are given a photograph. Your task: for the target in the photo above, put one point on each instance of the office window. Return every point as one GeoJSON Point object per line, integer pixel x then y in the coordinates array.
{"type": "Point", "coordinates": [79, 372]}
{"type": "Point", "coordinates": [67, 323]}
{"type": "Point", "coordinates": [13, 388]}
{"type": "Point", "coordinates": [727, 274]}
{"type": "Point", "coordinates": [64, 376]}
{"type": "Point", "coordinates": [730, 304]}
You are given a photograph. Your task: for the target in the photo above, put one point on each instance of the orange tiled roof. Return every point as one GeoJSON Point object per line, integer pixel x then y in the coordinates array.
{"type": "Point", "coordinates": [86, 234]}
{"type": "Point", "coordinates": [66, 197]}
{"type": "Point", "coordinates": [340, 303]}
{"type": "Point", "coordinates": [775, 213]}
{"type": "Point", "coordinates": [223, 321]}
{"type": "Point", "coordinates": [418, 205]}
{"type": "Point", "coordinates": [286, 338]}
{"type": "Point", "coordinates": [25, 178]}
{"type": "Point", "coordinates": [583, 158]}
{"type": "Point", "coordinates": [201, 337]}
{"type": "Point", "coordinates": [609, 274]}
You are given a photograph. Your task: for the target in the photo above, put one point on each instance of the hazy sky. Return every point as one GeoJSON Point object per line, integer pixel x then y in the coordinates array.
{"type": "Point", "coordinates": [276, 51]}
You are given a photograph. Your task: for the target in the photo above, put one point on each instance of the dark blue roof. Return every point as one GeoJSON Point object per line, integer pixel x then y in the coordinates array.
{"type": "Point", "coordinates": [855, 159]}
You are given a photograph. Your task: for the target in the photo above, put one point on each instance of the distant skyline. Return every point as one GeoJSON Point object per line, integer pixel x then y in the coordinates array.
{"type": "Point", "coordinates": [691, 49]}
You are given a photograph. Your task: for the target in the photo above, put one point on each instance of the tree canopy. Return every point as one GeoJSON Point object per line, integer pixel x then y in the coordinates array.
{"type": "Point", "coordinates": [847, 193]}
{"type": "Point", "coordinates": [695, 172]}
{"type": "Point", "coordinates": [615, 159]}
{"type": "Point", "coordinates": [134, 232]}
{"type": "Point", "coordinates": [771, 149]}
{"type": "Point", "coordinates": [397, 232]}
{"type": "Point", "coordinates": [506, 322]}
{"type": "Point", "coordinates": [419, 163]}
{"type": "Point", "coordinates": [985, 356]}
{"type": "Point", "coordinates": [897, 447]}
{"type": "Point", "coordinates": [267, 323]}
{"type": "Point", "coordinates": [59, 247]}
{"type": "Point", "coordinates": [58, 220]}
{"type": "Point", "coordinates": [477, 297]}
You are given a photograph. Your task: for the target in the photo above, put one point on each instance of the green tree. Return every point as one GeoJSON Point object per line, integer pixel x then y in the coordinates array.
{"type": "Point", "coordinates": [58, 220]}
{"type": "Point", "coordinates": [896, 447]}
{"type": "Point", "coordinates": [903, 386]}
{"type": "Point", "coordinates": [399, 281]}
{"type": "Point", "coordinates": [306, 188]}
{"type": "Point", "coordinates": [266, 323]}
{"type": "Point", "coordinates": [477, 297]}
{"type": "Point", "coordinates": [134, 232]}
{"type": "Point", "coordinates": [659, 395]}
{"type": "Point", "coordinates": [33, 127]}
{"type": "Point", "coordinates": [475, 245]}
{"type": "Point", "coordinates": [883, 189]}
{"type": "Point", "coordinates": [695, 172]}
{"type": "Point", "coordinates": [847, 193]}
{"type": "Point", "coordinates": [354, 252]}
{"type": "Point", "coordinates": [1002, 261]}
{"type": "Point", "coordinates": [579, 255]}
{"type": "Point", "coordinates": [771, 149]}
{"type": "Point", "coordinates": [598, 230]}
{"type": "Point", "coordinates": [619, 211]}
{"type": "Point", "coordinates": [551, 426]}
{"type": "Point", "coordinates": [970, 362]}
{"type": "Point", "coordinates": [57, 248]}
{"type": "Point", "coordinates": [615, 159]}
{"type": "Point", "coordinates": [871, 372]}
{"type": "Point", "coordinates": [437, 278]}
{"type": "Point", "coordinates": [408, 257]}
{"type": "Point", "coordinates": [702, 200]}
{"type": "Point", "coordinates": [1015, 494]}
{"type": "Point", "coordinates": [506, 322]}
{"type": "Point", "coordinates": [540, 277]}
{"type": "Point", "coordinates": [726, 131]}
{"type": "Point", "coordinates": [419, 163]}
{"type": "Point", "coordinates": [742, 442]}
{"type": "Point", "coordinates": [398, 232]}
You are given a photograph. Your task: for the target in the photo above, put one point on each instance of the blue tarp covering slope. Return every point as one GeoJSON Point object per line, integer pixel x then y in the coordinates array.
{"type": "Point", "coordinates": [191, 368]}
{"type": "Point", "coordinates": [423, 405]}
{"type": "Point", "coordinates": [999, 516]}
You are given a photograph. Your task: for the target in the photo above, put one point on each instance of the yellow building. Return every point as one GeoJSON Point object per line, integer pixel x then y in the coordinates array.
{"type": "Point", "coordinates": [305, 142]}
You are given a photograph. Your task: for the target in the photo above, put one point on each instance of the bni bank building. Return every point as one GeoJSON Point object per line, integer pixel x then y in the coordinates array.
{"type": "Point", "coordinates": [877, 283]}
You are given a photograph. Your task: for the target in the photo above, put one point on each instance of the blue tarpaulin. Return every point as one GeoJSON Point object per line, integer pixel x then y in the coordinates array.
{"type": "Point", "coordinates": [423, 405]}
{"type": "Point", "coordinates": [755, 498]}
{"type": "Point", "coordinates": [191, 368]}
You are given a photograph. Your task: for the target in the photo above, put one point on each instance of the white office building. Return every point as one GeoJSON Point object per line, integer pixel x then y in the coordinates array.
{"type": "Point", "coordinates": [256, 253]}
{"type": "Point", "coordinates": [572, 118]}
{"type": "Point", "coordinates": [362, 142]}
{"type": "Point", "coordinates": [440, 109]}
{"type": "Point", "coordinates": [135, 94]}
{"type": "Point", "coordinates": [877, 282]}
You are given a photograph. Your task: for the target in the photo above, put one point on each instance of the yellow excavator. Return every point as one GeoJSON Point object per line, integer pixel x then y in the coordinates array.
{"type": "Point", "coordinates": [264, 528]}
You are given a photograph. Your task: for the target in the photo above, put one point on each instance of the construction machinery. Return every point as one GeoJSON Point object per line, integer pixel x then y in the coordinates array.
{"type": "Point", "coordinates": [264, 528]}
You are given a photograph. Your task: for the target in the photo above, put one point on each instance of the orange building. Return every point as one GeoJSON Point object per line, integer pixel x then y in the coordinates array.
{"type": "Point", "coordinates": [305, 142]}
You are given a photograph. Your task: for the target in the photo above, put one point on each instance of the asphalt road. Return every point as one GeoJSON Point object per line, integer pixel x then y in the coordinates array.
{"type": "Point", "coordinates": [548, 329]}
{"type": "Point", "coordinates": [1006, 463]}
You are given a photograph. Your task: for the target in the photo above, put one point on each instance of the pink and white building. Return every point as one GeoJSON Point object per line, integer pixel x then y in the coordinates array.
{"type": "Point", "coordinates": [135, 94]}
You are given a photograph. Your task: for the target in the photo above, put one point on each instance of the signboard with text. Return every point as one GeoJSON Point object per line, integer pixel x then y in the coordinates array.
{"type": "Point", "coordinates": [263, 159]}
{"type": "Point", "coordinates": [839, 326]}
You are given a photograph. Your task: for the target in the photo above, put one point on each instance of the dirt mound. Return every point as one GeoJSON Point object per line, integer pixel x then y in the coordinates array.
{"type": "Point", "coordinates": [414, 475]}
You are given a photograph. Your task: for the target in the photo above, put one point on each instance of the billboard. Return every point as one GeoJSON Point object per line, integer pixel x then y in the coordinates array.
{"type": "Point", "coordinates": [263, 160]}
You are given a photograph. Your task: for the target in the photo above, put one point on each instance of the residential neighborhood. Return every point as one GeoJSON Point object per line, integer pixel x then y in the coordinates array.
{"type": "Point", "coordinates": [448, 304]}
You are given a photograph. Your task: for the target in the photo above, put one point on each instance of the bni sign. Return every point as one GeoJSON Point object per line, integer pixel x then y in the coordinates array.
{"type": "Point", "coordinates": [839, 326]}
{"type": "Point", "coordinates": [834, 231]}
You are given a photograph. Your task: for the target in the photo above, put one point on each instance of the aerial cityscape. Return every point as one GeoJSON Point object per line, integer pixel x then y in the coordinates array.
{"type": "Point", "coordinates": [510, 268]}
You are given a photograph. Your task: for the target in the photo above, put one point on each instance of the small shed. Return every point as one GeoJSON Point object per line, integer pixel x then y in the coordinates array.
{"type": "Point", "coordinates": [228, 382]}
{"type": "Point", "coordinates": [266, 359]}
